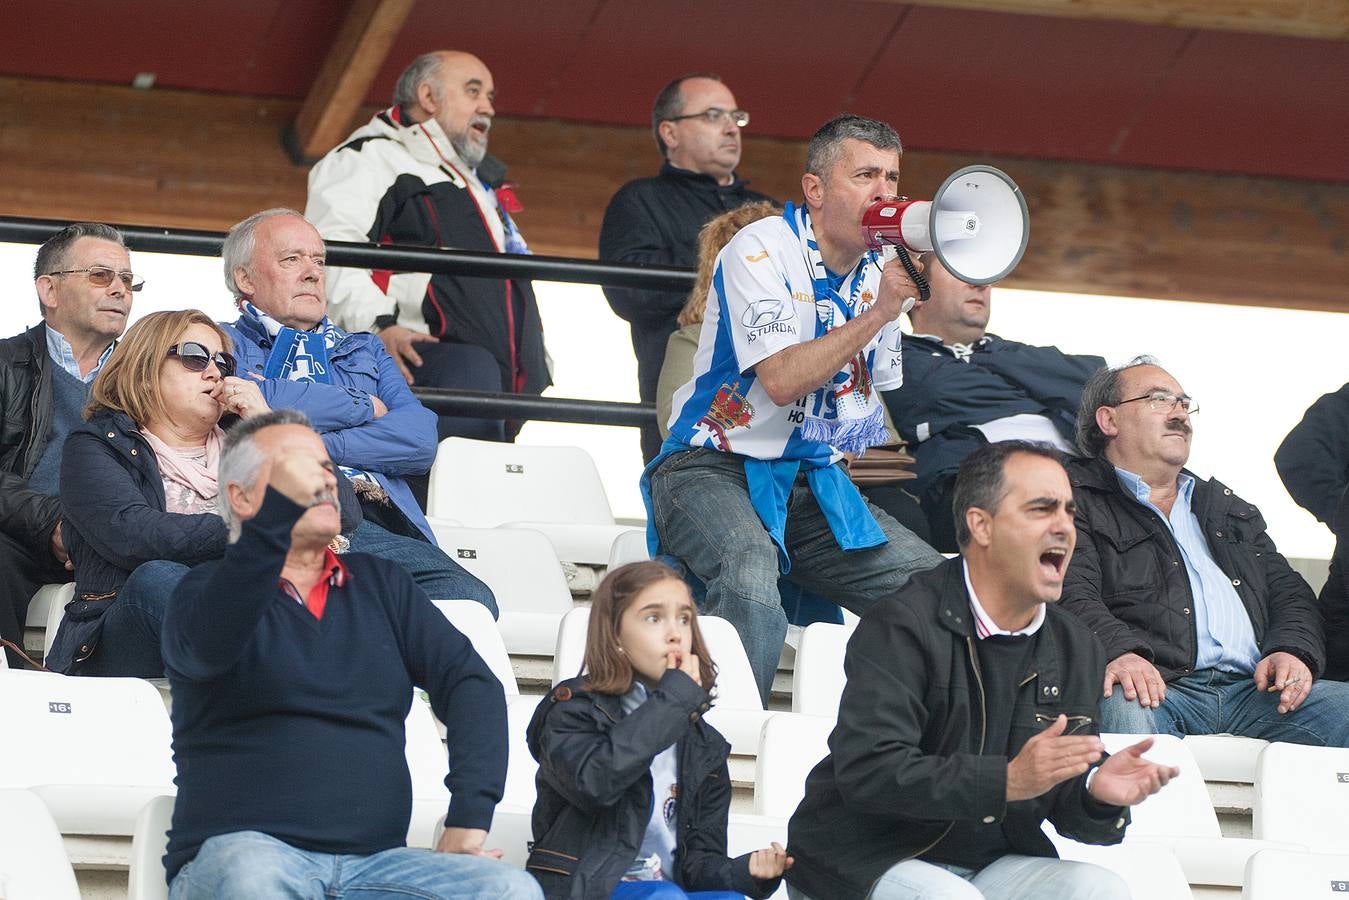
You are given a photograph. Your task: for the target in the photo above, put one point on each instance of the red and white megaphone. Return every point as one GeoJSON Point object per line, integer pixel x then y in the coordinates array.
{"type": "Point", "coordinates": [976, 223]}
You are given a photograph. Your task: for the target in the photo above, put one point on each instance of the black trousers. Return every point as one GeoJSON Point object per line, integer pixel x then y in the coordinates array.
{"type": "Point", "coordinates": [21, 574]}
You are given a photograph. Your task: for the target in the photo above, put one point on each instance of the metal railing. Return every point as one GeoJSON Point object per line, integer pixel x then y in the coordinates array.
{"type": "Point", "coordinates": [400, 258]}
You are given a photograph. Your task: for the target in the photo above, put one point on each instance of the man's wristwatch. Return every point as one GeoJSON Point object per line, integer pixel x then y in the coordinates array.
{"type": "Point", "coordinates": [383, 322]}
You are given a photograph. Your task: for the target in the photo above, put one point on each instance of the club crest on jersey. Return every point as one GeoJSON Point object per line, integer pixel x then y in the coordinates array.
{"type": "Point", "coordinates": [729, 410]}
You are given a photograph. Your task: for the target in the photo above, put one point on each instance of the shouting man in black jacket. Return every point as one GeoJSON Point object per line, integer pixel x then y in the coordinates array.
{"type": "Point", "coordinates": [655, 221]}
{"type": "Point", "coordinates": [968, 718]}
{"type": "Point", "coordinates": [1206, 626]}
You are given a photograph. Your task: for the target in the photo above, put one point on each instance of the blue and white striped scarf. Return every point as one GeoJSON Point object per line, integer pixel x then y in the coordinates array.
{"type": "Point", "coordinates": [859, 421]}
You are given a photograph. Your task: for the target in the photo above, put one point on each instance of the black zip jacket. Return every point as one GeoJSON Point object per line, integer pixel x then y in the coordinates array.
{"type": "Point", "coordinates": [942, 398]}
{"type": "Point", "coordinates": [655, 221]}
{"type": "Point", "coordinates": [25, 400]}
{"type": "Point", "coordinates": [906, 759]}
{"type": "Point", "coordinates": [1128, 583]}
{"type": "Point", "coordinates": [595, 795]}
{"type": "Point", "coordinates": [1313, 460]}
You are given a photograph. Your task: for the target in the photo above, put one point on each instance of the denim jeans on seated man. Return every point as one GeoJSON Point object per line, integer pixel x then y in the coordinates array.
{"type": "Point", "coordinates": [1009, 878]}
{"type": "Point", "coordinates": [441, 577]}
{"type": "Point", "coordinates": [1212, 701]}
{"type": "Point", "coordinates": [702, 511]}
{"type": "Point", "coordinates": [245, 865]}
{"type": "Point", "coordinates": [128, 645]}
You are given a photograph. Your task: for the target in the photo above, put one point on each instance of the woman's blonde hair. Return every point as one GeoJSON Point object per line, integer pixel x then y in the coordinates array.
{"type": "Point", "coordinates": [716, 234]}
{"type": "Point", "coordinates": [607, 670]}
{"type": "Point", "coordinates": [129, 380]}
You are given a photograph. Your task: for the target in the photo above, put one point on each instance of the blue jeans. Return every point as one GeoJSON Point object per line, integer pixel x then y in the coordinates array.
{"type": "Point", "coordinates": [701, 508]}
{"type": "Point", "coordinates": [1010, 877]}
{"type": "Point", "coordinates": [441, 577]}
{"type": "Point", "coordinates": [128, 645]}
{"type": "Point", "coordinates": [245, 865]}
{"type": "Point", "coordinates": [666, 890]}
{"type": "Point", "coordinates": [1214, 702]}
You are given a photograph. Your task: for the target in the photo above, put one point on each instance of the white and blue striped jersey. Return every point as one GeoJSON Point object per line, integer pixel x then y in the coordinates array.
{"type": "Point", "coordinates": [762, 300]}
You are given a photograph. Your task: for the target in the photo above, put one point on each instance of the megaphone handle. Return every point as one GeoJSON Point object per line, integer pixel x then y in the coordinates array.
{"type": "Point", "coordinates": [924, 291]}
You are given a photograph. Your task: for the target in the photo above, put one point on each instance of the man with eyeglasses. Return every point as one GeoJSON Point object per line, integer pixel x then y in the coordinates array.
{"type": "Point", "coordinates": [419, 173]}
{"type": "Point", "coordinates": [1206, 626]}
{"type": "Point", "coordinates": [84, 284]}
{"type": "Point", "coordinates": [655, 221]}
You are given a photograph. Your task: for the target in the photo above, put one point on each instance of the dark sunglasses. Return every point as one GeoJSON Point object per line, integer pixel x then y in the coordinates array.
{"type": "Point", "coordinates": [195, 358]}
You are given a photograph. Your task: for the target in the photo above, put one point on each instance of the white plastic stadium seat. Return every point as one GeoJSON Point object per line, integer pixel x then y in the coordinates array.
{"type": "Point", "coordinates": [523, 572]}
{"type": "Point", "coordinates": [56, 613]}
{"type": "Point", "coordinates": [1151, 870]}
{"type": "Point", "coordinates": [790, 746]}
{"type": "Point", "coordinates": [44, 599]}
{"type": "Point", "coordinates": [818, 678]}
{"type": "Point", "coordinates": [629, 547]}
{"type": "Point", "coordinates": [33, 862]}
{"type": "Point", "coordinates": [94, 749]}
{"type": "Point", "coordinates": [1302, 796]}
{"type": "Point", "coordinates": [1181, 816]}
{"type": "Point", "coordinates": [146, 881]}
{"type": "Point", "coordinates": [1226, 757]}
{"type": "Point", "coordinates": [475, 622]}
{"type": "Point", "coordinates": [1284, 874]}
{"type": "Point", "coordinates": [428, 764]}
{"type": "Point", "coordinates": [556, 490]}
{"type": "Point", "coordinates": [737, 711]}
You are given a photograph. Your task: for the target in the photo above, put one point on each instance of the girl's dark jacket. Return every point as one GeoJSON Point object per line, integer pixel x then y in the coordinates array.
{"type": "Point", "coordinates": [595, 794]}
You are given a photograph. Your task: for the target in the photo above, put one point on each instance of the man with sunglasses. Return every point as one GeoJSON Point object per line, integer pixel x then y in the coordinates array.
{"type": "Point", "coordinates": [655, 221]}
{"type": "Point", "coordinates": [83, 279]}
{"type": "Point", "coordinates": [1206, 626]}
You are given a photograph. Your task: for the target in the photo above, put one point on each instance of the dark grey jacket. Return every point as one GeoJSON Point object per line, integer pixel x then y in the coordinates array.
{"type": "Point", "coordinates": [25, 420]}
{"type": "Point", "coordinates": [1127, 581]}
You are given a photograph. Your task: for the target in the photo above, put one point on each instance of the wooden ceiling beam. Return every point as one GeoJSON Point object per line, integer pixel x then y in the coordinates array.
{"type": "Point", "coordinates": [1326, 19]}
{"type": "Point", "coordinates": [343, 82]}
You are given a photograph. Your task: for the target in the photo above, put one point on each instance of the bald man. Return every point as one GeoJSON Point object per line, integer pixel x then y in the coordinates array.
{"type": "Point", "coordinates": [419, 173]}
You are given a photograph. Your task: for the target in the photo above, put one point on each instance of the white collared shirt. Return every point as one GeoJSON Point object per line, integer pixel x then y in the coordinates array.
{"type": "Point", "coordinates": [983, 622]}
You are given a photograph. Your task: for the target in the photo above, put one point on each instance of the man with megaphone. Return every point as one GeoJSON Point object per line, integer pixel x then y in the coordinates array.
{"type": "Point", "coordinates": [801, 333]}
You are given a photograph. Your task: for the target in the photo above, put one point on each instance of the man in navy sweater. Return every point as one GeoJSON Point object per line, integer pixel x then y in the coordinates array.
{"type": "Point", "coordinates": [292, 672]}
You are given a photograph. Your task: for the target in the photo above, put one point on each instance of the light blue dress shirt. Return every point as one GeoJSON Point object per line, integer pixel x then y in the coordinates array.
{"type": "Point", "coordinates": [58, 348]}
{"type": "Point", "coordinates": [1222, 625]}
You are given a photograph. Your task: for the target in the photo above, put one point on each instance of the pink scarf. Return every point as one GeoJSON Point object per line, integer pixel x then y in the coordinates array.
{"type": "Point", "coordinates": [198, 477]}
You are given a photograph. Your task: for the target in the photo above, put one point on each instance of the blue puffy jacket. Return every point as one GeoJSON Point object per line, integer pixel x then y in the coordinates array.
{"type": "Point", "coordinates": [401, 442]}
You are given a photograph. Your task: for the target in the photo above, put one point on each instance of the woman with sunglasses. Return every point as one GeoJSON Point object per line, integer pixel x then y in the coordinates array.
{"type": "Point", "coordinates": [139, 491]}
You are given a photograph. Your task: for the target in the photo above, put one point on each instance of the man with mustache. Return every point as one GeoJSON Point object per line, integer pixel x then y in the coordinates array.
{"type": "Point", "coordinates": [1206, 626]}
{"type": "Point", "coordinates": [655, 221]}
{"type": "Point", "coordinates": [968, 718]}
{"type": "Point", "coordinates": [292, 672]}
{"type": "Point", "coordinates": [964, 387]}
{"type": "Point", "coordinates": [350, 388]}
{"type": "Point", "coordinates": [84, 284]}
{"type": "Point", "coordinates": [419, 173]}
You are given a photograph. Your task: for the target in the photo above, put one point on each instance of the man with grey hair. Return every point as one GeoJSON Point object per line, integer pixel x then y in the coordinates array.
{"type": "Point", "coordinates": [800, 334]}
{"type": "Point", "coordinates": [418, 173]}
{"type": "Point", "coordinates": [351, 389]}
{"type": "Point", "coordinates": [290, 701]}
{"type": "Point", "coordinates": [655, 221]}
{"type": "Point", "coordinates": [84, 283]}
{"type": "Point", "coordinates": [1205, 625]}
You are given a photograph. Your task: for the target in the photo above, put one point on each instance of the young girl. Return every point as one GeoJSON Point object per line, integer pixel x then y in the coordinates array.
{"type": "Point", "coordinates": [633, 788]}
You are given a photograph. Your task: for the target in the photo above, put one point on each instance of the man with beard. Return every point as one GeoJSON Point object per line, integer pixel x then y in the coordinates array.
{"type": "Point", "coordinates": [1206, 627]}
{"type": "Point", "coordinates": [419, 173]}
